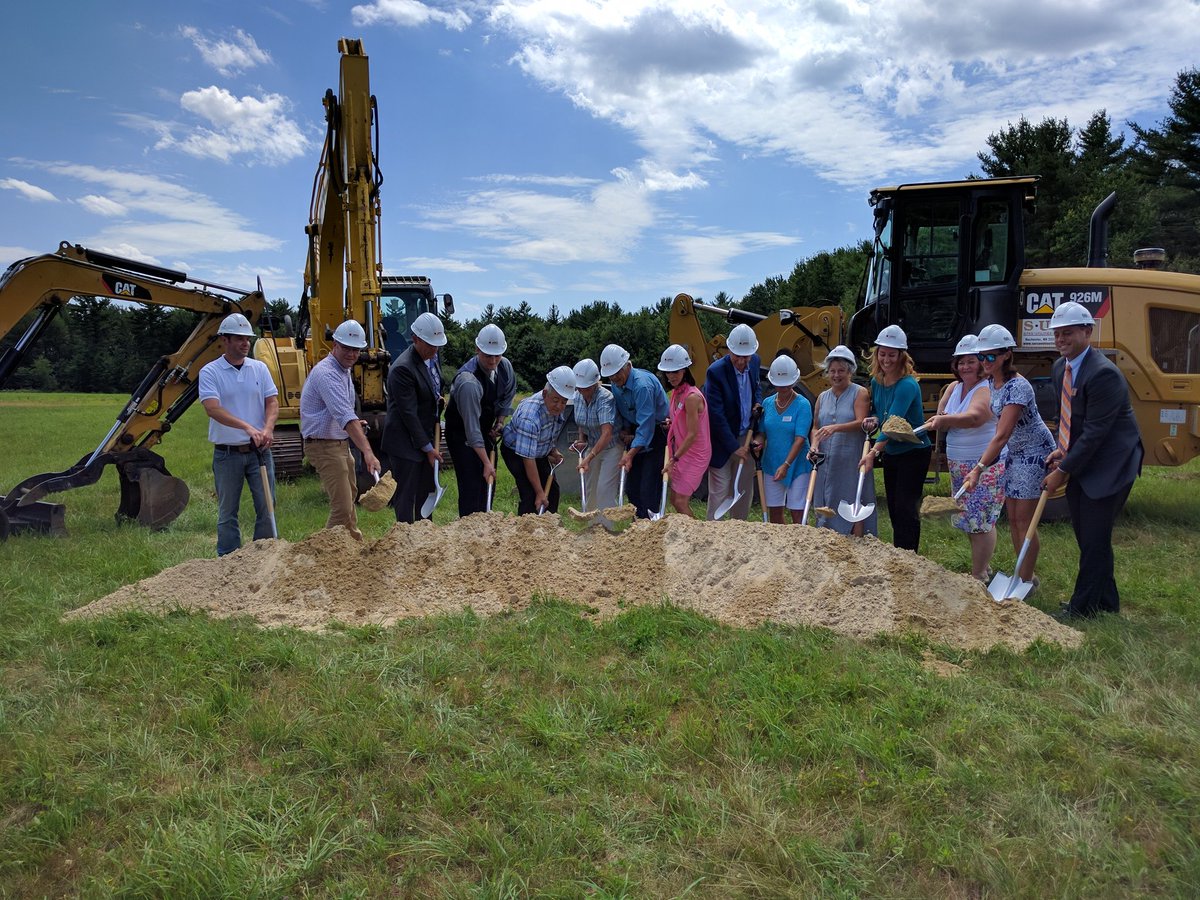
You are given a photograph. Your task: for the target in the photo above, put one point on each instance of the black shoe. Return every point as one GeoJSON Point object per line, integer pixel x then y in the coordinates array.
{"type": "Point", "coordinates": [1066, 614]}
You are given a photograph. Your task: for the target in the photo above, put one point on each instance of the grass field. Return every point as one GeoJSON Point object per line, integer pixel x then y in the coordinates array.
{"type": "Point", "coordinates": [541, 754]}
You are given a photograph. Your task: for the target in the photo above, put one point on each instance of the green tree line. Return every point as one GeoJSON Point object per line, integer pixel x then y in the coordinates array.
{"type": "Point", "coordinates": [101, 346]}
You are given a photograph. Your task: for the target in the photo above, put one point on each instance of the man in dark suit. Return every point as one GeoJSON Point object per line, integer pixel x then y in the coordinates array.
{"type": "Point", "coordinates": [1099, 455]}
{"type": "Point", "coordinates": [410, 430]}
{"type": "Point", "coordinates": [732, 389]}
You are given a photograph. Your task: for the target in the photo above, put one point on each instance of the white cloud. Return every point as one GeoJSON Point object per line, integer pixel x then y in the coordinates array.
{"type": "Point", "coordinates": [705, 257]}
{"type": "Point", "coordinates": [10, 254]}
{"type": "Point", "coordinates": [407, 14]}
{"type": "Point", "coordinates": [600, 224]}
{"type": "Point", "coordinates": [27, 190]}
{"type": "Point", "coordinates": [229, 57]}
{"type": "Point", "coordinates": [161, 218]}
{"type": "Point", "coordinates": [856, 91]}
{"type": "Point", "coordinates": [442, 263]}
{"type": "Point", "coordinates": [253, 127]}
{"type": "Point", "coordinates": [102, 206]}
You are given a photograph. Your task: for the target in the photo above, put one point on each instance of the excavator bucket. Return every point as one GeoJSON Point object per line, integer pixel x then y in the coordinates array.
{"type": "Point", "coordinates": [154, 498]}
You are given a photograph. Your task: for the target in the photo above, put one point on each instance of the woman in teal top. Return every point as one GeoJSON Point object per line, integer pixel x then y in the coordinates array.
{"type": "Point", "coordinates": [895, 392]}
{"type": "Point", "coordinates": [786, 422]}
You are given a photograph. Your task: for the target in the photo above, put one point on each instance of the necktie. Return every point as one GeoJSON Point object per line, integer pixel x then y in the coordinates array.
{"type": "Point", "coordinates": [1064, 411]}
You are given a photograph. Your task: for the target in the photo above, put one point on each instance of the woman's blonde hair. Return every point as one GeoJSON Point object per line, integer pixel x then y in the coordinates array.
{"type": "Point", "coordinates": [906, 364]}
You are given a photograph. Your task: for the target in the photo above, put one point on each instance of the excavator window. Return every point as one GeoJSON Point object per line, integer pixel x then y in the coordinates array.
{"type": "Point", "coordinates": [400, 309]}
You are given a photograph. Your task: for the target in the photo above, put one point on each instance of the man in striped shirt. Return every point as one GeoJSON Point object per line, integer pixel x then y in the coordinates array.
{"type": "Point", "coordinates": [329, 421]}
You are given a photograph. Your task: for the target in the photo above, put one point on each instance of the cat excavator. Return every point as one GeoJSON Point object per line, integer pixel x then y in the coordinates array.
{"type": "Point", "coordinates": [343, 276]}
{"type": "Point", "coordinates": [44, 285]}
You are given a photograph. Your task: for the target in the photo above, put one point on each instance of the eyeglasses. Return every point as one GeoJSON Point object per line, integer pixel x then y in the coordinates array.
{"type": "Point", "coordinates": [988, 357]}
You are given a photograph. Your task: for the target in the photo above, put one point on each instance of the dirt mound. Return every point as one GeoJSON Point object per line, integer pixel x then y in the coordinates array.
{"type": "Point", "coordinates": [739, 573]}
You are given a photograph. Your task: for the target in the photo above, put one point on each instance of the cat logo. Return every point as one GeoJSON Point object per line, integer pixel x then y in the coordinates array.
{"type": "Point", "coordinates": [125, 290]}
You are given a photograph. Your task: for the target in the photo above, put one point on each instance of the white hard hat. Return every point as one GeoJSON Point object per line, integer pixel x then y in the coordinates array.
{"type": "Point", "coordinates": [994, 337]}
{"type": "Point", "coordinates": [784, 372]}
{"type": "Point", "coordinates": [844, 353]}
{"type": "Point", "coordinates": [587, 373]}
{"type": "Point", "coordinates": [236, 323]}
{"type": "Point", "coordinates": [490, 340]}
{"type": "Point", "coordinates": [967, 346]}
{"type": "Point", "coordinates": [350, 334]}
{"type": "Point", "coordinates": [428, 328]}
{"type": "Point", "coordinates": [674, 358]}
{"type": "Point", "coordinates": [1071, 313]}
{"type": "Point", "coordinates": [562, 380]}
{"type": "Point", "coordinates": [893, 336]}
{"type": "Point", "coordinates": [742, 340]}
{"type": "Point", "coordinates": [612, 360]}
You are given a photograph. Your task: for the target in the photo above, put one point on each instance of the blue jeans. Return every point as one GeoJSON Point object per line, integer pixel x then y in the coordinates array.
{"type": "Point", "coordinates": [230, 469]}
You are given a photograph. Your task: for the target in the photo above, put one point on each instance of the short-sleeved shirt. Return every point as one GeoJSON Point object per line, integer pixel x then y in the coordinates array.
{"type": "Point", "coordinates": [592, 417]}
{"type": "Point", "coordinates": [1030, 435]}
{"type": "Point", "coordinates": [242, 391]}
{"type": "Point", "coordinates": [327, 401]}
{"type": "Point", "coordinates": [532, 432]}
{"type": "Point", "coordinates": [782, 429]}
{"type": "Point", "coordinates": [641, 405]}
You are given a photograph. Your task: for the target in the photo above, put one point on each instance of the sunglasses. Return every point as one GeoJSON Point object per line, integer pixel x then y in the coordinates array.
{"type": "Point", "coordinates": [987, 357]}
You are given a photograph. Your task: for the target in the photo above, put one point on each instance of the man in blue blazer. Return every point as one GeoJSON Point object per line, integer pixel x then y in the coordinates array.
{"type": "Point", "coordinates": [732, 390]}
{"type": "Point", "coordinates": [1099, 455]}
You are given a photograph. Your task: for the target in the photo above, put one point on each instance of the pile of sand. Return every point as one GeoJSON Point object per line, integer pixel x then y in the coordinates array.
{"type": "Point", "coordinates": [739, 573]}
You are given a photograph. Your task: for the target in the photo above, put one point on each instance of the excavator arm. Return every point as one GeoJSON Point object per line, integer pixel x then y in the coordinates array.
{"type": "Point", "coordinates": [45, 284]}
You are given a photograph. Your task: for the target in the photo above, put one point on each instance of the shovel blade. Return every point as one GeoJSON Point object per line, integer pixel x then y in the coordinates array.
{"type": "Point", "coordinates": [1009, 587]}
{"type": "Point", "coordinates": [725, 507]}
{"type": "Point", "coordinates": [856, 512]}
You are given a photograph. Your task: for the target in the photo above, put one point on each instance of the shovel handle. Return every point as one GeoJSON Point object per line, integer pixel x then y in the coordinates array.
{"type": "Point", "coordinates": [866, 448]}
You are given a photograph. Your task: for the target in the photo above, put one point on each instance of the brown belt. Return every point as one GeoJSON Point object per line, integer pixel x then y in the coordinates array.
{"type": "Point", "coordinates": [325, 440]}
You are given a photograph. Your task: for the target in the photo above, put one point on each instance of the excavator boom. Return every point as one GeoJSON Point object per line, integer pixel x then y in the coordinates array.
{"type": "Point", "coordinates": [44, 285]}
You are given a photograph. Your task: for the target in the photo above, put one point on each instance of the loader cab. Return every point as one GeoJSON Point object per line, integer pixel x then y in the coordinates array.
{"type": "Point", "coordinates": [947, 260]}
{"type": "Point", "coordinates": [403, 298]}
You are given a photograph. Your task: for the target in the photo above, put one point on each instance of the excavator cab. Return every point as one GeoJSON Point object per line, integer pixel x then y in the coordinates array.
{"type": "Point", "coordinates": [947, 260]}
{"type": "Point", "coordinates": [403, 298]}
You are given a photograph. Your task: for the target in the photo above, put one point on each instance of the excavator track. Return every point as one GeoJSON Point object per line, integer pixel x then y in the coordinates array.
{"type": "Point", "coordinates": [287, 448]}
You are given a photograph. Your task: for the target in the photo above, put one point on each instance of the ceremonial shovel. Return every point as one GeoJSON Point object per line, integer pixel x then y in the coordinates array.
{"type": "Point", "coordinates": [435, 497]}
{"type": "Point", "coordinates": [858, 511]}
{"type": "Point", "coordinates": [1004, 588]}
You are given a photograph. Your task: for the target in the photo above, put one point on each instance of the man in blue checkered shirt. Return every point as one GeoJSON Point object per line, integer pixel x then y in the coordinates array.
{"type": "Point", "coordinates": [529, 442]}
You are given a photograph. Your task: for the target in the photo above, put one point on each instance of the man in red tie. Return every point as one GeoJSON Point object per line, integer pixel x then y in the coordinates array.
{"type": "Point", "coordinates": [1099, 456]}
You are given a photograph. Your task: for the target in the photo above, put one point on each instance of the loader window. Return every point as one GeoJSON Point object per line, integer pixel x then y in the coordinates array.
{"type": "Point", "coordinates": [931, 243]}
{"type": "Point", "coordinates": [400, 309]}
{"type": "Point", "coordinates": [989, 249]}
{"type": "Point", "coordinates": [879, 279]}
{"type": "Point", "coordinates": [1175, 341]}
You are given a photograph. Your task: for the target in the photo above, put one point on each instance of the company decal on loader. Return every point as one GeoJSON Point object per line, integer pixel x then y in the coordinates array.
{"type": "Point", "coordinates": [1038, 306]}
{"type": "Point", "coordinates": [126, 290]}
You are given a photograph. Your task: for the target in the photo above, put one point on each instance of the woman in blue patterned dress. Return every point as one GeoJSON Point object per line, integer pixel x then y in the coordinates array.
{"type": "Point", "coordinates": [965, 416]}
{"type": "Point", "coordinates": [1022, 431]}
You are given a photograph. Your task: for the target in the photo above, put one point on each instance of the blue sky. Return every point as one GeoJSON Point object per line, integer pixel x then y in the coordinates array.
{"type": "Point", "coordinates": [543, 150]}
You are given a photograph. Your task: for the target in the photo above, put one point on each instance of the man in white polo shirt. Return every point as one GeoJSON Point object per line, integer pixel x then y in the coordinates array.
{"type": "Point", "coordinates": [242, 405]}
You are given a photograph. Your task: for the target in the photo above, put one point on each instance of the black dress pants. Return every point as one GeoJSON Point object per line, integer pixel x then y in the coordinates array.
{"type": "Point", "coordinates": [644, 481]}
{"type": "Point", "coordinates": [904, 482]}
{"type": "Point", "coordinates": [468, 471]}
{"type": "Point", "coordinates": [1092, 519]}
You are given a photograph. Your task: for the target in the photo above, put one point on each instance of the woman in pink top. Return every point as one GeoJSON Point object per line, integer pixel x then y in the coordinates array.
{"type": "Point", "coordinates": [688, 446]}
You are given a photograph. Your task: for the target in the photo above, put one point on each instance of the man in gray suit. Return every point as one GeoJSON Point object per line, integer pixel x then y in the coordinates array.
{"type": "Point", "coordinates": [409, 439]}
{"type": "Point", "coordinates": [1099, 456]}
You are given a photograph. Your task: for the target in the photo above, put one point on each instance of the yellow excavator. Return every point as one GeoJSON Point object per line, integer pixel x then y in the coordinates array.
{"type": "Point", "coordinates": [343, 277]}
{"type": "Point", "coordinates": [44, 285]}
{"type": "Point", "coordinates": [949, 258]}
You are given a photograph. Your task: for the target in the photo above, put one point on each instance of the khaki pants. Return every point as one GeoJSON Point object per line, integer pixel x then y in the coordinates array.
{"type": "Point", "coordinates": [603, 477]}
{"type": "Point", "coordinates": [721, 487]}
{"type": "Point", "coordinates": [335, 466]}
